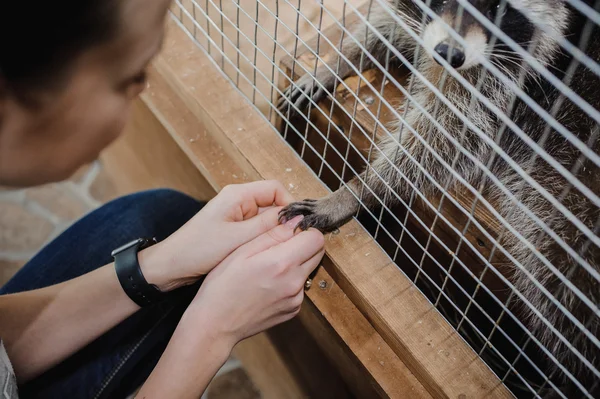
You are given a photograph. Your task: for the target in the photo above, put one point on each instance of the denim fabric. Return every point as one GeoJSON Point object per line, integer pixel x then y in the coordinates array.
{"type": "Point", "coordinates": [116, 363]}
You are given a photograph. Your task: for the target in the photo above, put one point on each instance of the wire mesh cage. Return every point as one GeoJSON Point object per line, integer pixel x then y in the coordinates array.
{"type": "Point", "coordinates": [464, 136]}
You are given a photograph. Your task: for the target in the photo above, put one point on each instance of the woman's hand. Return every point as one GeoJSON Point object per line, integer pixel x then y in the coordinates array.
{"type": "Point", "coordinates": [259, 285]}
{"type": "Point", "coordinates": [256, 287]}
{"type": "Point", "coordinates": [238, 214]}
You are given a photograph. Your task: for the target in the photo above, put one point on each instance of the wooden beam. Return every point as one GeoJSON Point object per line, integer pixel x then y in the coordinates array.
{"type": "Point", "coordinates": [414, 330]}
{"type": "Point", "coordinates": [364, 359]}
{"type": "Point", "coordinates": [146, 157]}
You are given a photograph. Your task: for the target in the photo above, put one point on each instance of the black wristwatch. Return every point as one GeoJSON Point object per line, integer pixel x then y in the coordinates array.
{"type": "Point", "coordinates": [130, 274]}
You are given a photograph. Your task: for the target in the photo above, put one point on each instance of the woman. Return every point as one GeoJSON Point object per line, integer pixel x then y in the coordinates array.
{"type": "Point", "coordinates": [77, 321]}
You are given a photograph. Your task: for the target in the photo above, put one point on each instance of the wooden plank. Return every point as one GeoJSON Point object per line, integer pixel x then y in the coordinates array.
{"type": "Point", "coordinates": [365, 360]}
{"type": "Point", "coordinates": [146, 157]}
{"type": "Point", "coordinates": [294, 370]}
{"type": "Point", "coordinates": [431, 348]}
{"type": "Point", "coordinates": [192, 135]}
{"type": "Point", "coordinates": [313, 371]}
{"type": "Point", "coordinates": [267, 369]}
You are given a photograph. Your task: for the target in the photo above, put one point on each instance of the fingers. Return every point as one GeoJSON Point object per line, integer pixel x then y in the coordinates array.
{"type": "Point", "coordinates": [264, 209]}
{"type": "Point", "coordinates": [244, 201]}
{"type": "Point", "coordinates": [271, 237]}
{"type": "Point", "coordinates": [295, 250]}
{"type": "Point", "coordinates": [266, 193]}
{"type": "Point", "coordinates": [291, 303]}
{"type": "Point", "coordinates": [266, 220]}
{"type": "Point", "coordinates": [310, 265]}
{"type": "Point", "coordinates": [291, 307]}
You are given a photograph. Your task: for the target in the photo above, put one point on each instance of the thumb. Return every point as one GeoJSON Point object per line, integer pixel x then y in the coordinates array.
{"type": "Point", "coordinates": [270, 238]}
{"type": "Point", "coordinates": [257, 225]}
{"type": "Point", "coordinates": [297, 249]}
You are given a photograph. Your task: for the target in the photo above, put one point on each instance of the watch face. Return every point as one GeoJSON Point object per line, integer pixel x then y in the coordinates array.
{"type": "Point", "coordinates": [141, 243]}
{"type": "Point", "coordinates": [130, 244]}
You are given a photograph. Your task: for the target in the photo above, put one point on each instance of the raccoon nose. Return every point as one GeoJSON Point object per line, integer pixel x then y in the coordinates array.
{"type": "Point", "coordinates": [457, 57]}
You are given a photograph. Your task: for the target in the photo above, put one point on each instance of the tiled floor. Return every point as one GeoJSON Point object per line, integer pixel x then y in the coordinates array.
{"type": "Point", "coordinates": [29, 218]}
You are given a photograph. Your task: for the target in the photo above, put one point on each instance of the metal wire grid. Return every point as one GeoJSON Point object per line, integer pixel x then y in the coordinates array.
{"type": "Point", "coordinates": [242, 39]}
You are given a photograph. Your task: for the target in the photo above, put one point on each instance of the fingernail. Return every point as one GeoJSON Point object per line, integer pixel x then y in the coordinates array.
{"type": "Point", "coordinates": [294, 222]}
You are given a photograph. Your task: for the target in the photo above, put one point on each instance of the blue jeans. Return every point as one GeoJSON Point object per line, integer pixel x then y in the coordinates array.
{"type": "Point", "coordinates": [119, 361]}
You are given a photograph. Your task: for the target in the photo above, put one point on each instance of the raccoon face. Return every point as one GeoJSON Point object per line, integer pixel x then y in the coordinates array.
{"type": "Point", "coordinates": [478, 43]}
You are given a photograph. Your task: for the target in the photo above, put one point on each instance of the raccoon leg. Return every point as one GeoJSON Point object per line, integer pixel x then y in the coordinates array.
{"type": "Point", "coordinates": [328, 213]}
{"type": "Point", "coordinates": [325, 79]}
{"type": "Point", "coordinates": [387, 174]}
{"type": "Point", "coordinates": [336, 209]}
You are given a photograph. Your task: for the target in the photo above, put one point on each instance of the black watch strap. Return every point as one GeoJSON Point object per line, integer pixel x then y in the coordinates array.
{"type": "Point", "coordinates": [130, 274]}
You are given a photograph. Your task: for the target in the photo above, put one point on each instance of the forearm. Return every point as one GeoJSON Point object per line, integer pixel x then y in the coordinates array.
{"type": "Point", "coordinates": [42, 327]}
{"type": "Point", "coordinates": [193, 356]}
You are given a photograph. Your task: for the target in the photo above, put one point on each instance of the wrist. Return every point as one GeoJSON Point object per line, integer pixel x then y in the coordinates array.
{"type": "Point", "coordinates": [201, 328]}
{"type": "Point", "coordinates": [192, 357]}
{"type": "Point", "coordinates": [159, 268]}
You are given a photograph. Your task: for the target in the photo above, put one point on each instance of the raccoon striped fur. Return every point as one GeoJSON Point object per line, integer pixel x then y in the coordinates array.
{"type": "Point", "coordinates": [555, 224]}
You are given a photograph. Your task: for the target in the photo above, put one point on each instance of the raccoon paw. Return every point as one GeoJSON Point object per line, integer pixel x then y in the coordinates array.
{"type": "Point", "coordinates": [314, 216]}
{"type": "Point", "coordinates": [297, 94]}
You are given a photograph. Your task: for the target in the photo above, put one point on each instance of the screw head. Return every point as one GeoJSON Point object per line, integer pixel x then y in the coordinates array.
{"type": "Point", "coordinates": [322, 284]}
{"type": "Point", "coordinates": [308, 283]}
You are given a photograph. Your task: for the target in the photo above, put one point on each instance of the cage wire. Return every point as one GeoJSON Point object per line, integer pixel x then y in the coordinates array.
{"type": "Point", "coordinates": [421, 103]}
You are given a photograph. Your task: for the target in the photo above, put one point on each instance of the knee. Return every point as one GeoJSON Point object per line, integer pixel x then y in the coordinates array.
{"type": "Point", "coordinates": [158, 212]}
{"type": "Point", "coordinates": [162, 197]}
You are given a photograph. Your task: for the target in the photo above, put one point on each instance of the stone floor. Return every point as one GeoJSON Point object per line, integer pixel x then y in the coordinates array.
{"type": "Point", "coordinates": [29, 218]}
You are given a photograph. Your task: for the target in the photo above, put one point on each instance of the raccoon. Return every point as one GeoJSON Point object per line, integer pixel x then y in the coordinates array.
{"type": "Point", "coordinates": [404, 156]}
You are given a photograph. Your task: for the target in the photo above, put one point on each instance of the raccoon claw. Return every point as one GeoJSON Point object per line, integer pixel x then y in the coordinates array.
{"type": "Point", "coordinates": [307, 223]}
{"type": "Point", "coordinates": [284, 99]}
{"type": "Point", "coordinates": [308, 209]}
{"type": "Point", "coordinates": [294, 96]}
{"type": "Point", "coordinates": [298, 95]}
{"type": "Point", "coordinates": [304, 208]}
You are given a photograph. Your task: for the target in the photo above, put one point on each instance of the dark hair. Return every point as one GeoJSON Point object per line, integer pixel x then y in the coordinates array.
{"type": "Point", "coordinates": [39, 40]}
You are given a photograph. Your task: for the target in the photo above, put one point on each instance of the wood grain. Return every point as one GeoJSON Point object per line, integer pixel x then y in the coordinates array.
{"type": "Point", "coordinates": [146, 157]}
{"type": "Point", "coordinates": [361, 355]}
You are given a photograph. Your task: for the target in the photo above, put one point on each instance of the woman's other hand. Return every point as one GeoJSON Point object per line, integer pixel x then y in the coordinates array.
{"type": "Point", "coordinates": [237, 215]}
{"type": "Point", "coordinates": [259, 285]}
